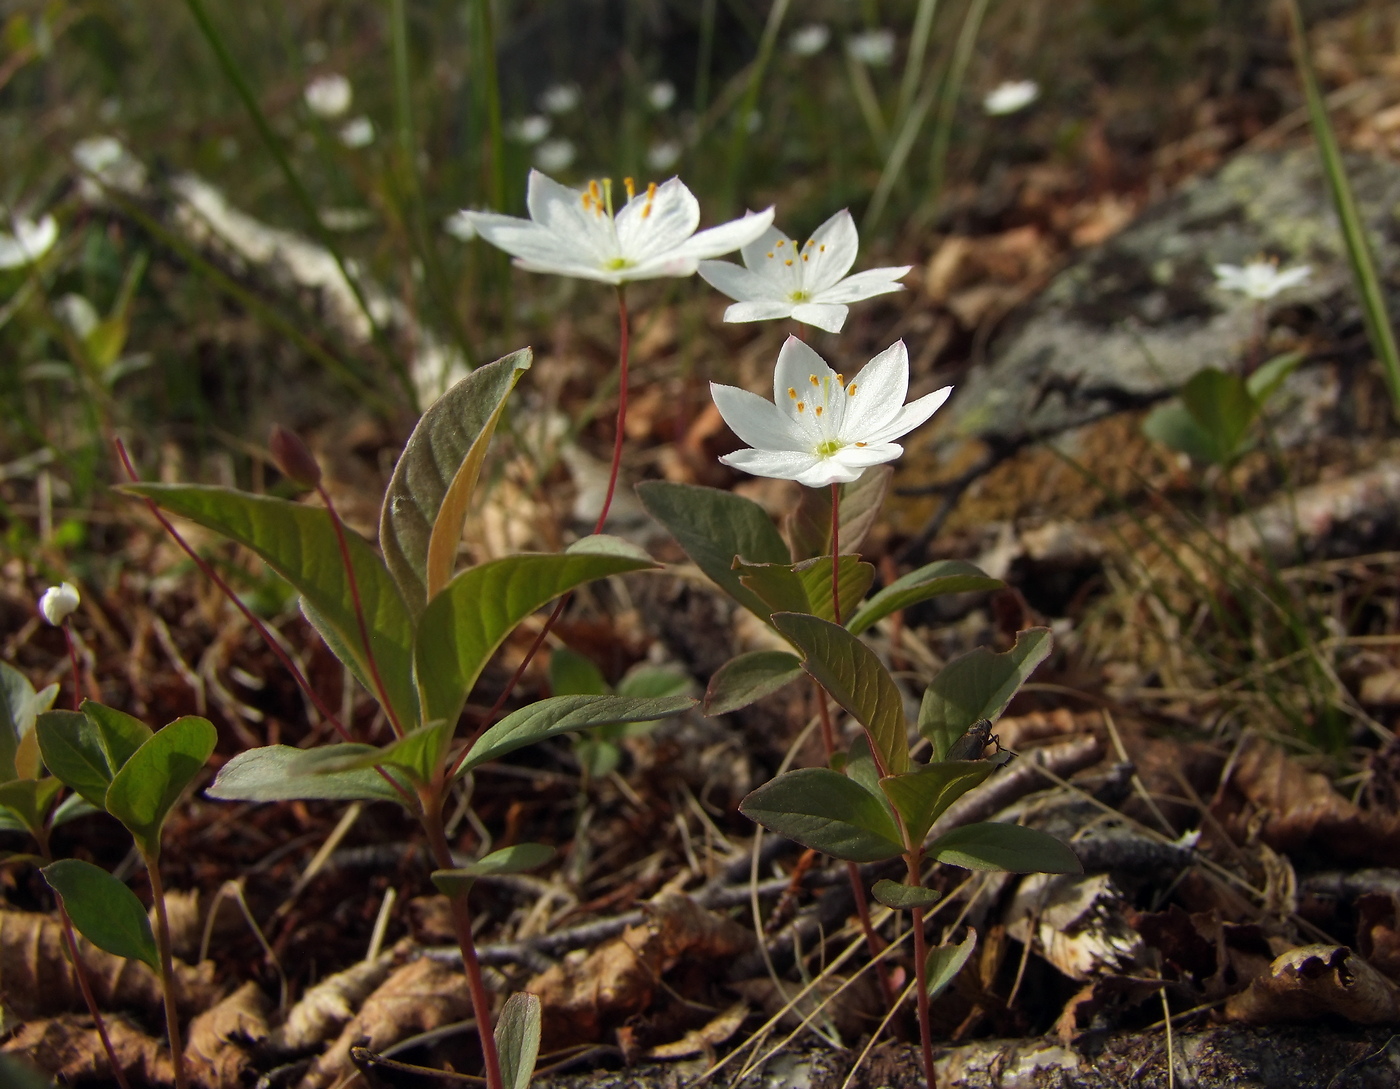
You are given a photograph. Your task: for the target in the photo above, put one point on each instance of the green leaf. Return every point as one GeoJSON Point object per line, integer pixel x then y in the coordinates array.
{"type": "Point", "coordinates": [72, 751]}
{"type": "Point", "coordinates": [922, 795]}
{"type": "Point", "coordinates": [420, 754]}
{"type": "Point", "coordinates": [822, 809]}
{"type": "Point", "coordinates": [1223, 409]}
{"type": "Point", "coordinates": [462, 627]}
{"type": "Point", "coordinates": [16, 1073]}
{"type": "Point", "coordinates": [748, 678]}
{"type": "Point", "coordinates": [151, 782]}
{"type": "Point", "coordinates": [714, 527]}
{"type": "Point", "coordinates": [30, 801]}
{"type": "Point", "coordinates": [904, 897]}
{"type": "Point", "coordinates": [70, 809]}
{"type": "Point", "coordinates": [20, 705]}
{"type": "Point", "coordinates": [978, 685]}
{"type": "Point", "coordinates": [931, 580]}
{"type": "Point", "coordinates": [1174, 427]}
{"type": "Point", "coordinates": [425, 506]}
{"type": "Point", "coordinates": [119, 734]}
{"type": "Point", "coordinates": [518, 1039]}
{"type": "Point", "coordinates": [571, 674]}
{"type": "Point", "coordinates": [597, 757]}
{"type": "Point", "coordinates": [560, 714]}
{"type": "Point", "coordinates": [300, 544]}
{"type": "Point", "coordinates": [944, 962]}
{"type": "Point", "coordinates": [104, 910]}
{"type": "Point", "coordinates": [1265, 381]}
{"type": "Point", "coordinates": [855, 578]}
{"type": "Point", "coordinates": [520, 858]}
{"type": "Point", "coordinates": [808, 527]}
{"type": "Point", "coordinates": [775, 584]}
{"type": "Point", "coordinates": [992, 845]}
{"type": "Point", "coordinates": [856, 679]}
{"type": "Point", "coordinates": [653, 681]}
{"type": "Point", "coordinates": [281, 773]}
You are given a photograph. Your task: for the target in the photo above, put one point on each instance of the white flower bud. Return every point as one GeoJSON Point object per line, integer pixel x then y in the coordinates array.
{"type": "Point", "coordinates": [59, 603]}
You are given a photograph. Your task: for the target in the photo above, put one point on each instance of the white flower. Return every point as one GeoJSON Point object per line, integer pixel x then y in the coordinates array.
{"type": "Point", "coordinates": [459, 226]}
{"type": "Point", "coordinates": [59, 603]}
{"type": "Point", "coordinates": [105, 162]}
{"type": "Point", "coordinates": [661, 95]}
{"type": "Point", "coordinates": [809, 40]}
{"type": "Point", "coordinates": [29, 242]}
{"type": "Point", "coordinates": [1260, 280]}
{"type": "Point", "coordinates": [561, 98]}
{"type": "Point", "coordinates": [357, 133]}
{"type": "Point", "coordinates": [1011, 96]}
{"type": "Point", "coordinates": [663, 155]}
{"type": "Point", "coordinates": [328, 96]}
{"type": "Point", "coordinates": [807, 282]}
{"type": "Point", "coordinates": [555, 155]}
{"type": "Point", "coordinates": [78, 313]}
{"type": "Point", "coordinates": [874, 47]}
{"type": "Point", "coordinates": [573, 232]}
{"type": "Point", "coordinates": [528, 130]}
{"type": "Point", "coordinates": [819, 430]}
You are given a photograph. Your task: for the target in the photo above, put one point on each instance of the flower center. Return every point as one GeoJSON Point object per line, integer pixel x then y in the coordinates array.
{"type": "Point", "coordinates": [617, 263]}
{"type": "Point", "coordinates": [800, 296]}
{"type": "Point", "coordinates": [829, 448]}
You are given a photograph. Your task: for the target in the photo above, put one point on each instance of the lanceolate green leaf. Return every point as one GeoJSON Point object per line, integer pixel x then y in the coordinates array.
{"type": "Point", "coordinates": [72, 751]}
{"type": "Point", "coordinates": [748, 678]}
{"type": "Point", "coordinates": [151, 782]}
{"type": "Point", "coordinates": [104, 910]}
{"type": "Point", "coordinates": [713, 527]}
{"type": "Point", "coordinates": [776, 584]}
{"type": "Point", "coordinates": [923, 794]}
{"type": "Point", "coordinates": [571, 674]}
{"type": "Point", "coordinates": [518, 1039]}
{"type": "Point", "coordinates": [419, 754]}
{"type": "Point", "coordinates": [562, 714]}
{"type": "Point", "coordinates": [119, 734]}
{"type": "Point", "coordinates": [903, 897]}
{"type": "Point", "coordinates": [931, 580]}
{"type": "Point", "coordinates": [30, 800]}
{"type": "Point", "coordinates": [462, 627]}
{"type": "Point", "coordinates": [978, 685]}
{"type": "Point", "coordinates": [856, 679]}
{"type": "Point", "coordinates": [992, 845]}
{"type": "Point", "coordinates": [280, 773]}
{"type": "Point", "coordinates": [945, 962]}
{"type": "Point", "coordinates": [822, 809]}
{"type": "Point", "coordinates": [426, 504]}
{"type": "Point", "coordinates": [299, 542]}
{"type": "Point", "coordinates": [19, 706]}
{"type": "Point", "coordinates": [854, 579]}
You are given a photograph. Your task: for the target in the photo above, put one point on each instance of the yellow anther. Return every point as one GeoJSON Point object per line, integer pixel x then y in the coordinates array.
{"type": "Point", "coordinates": [788, 261]}
{"type": "Point", "coordinates": [809, 242]}
{"type": "Point", "coordinates": [792, 393]}
{"type": "Point", "coordinates": [631, 187]}
{"type": "Point", "coordinates": [813, 379]}
{"type": "Point", "coordinates": [840, 379]}
{"type": "Point", "coordinates": [780, 244]}
{"type": "Point", "coordinates": [819, 410]}
{"type": "Point", "coordinates": [852, 390]}
{"type": "Point", "coordinates": [594, 191]}
{"type": "Point", "coordinates": [770, 257]}
{"type": "Point", "coordinates": [584, 197]}
{"type": "Point", "coordinates": [801, 405]}
{"type": "Point", "coordinates": [821, 248]}
{"type": "Point", "coordinates": [651, 196]}
{"type": "Point", "coordinates": [862, 444]}
{"type": "Point", "coordinates": [805, 257]}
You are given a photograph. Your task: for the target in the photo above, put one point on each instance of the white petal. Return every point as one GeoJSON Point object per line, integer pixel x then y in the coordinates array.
{"type": "Point", "coordinates": [832, 252]}
{"type": "Point", "coordinates": [826, 316]}
{"type": "Point", "coordinates": [758, 311]}
{"type": "Point", "coordinates": [780, 464]}
{"type": "Point", "coordinates": [560, 210]}
{"type": "Point", "coordinates": [577, 271]}
{"type": "Point", "coordinates": [879, 392]}
{"type": "Point", "coordinates": [529, 241]}
{"type": "Point", "coordinates": [753, 252]}
{"type": "Point", "coordinates": [829, 471]}
{"type": "Point", "coordinates": [737, 282]}
{"type": "Point", "coordinates": [865, 285]}
{"type": "Point", "coordinates": [796, 364]}
{"type": "Point", "coordinates": [757, 422]}
{"type": "Point", "coordinates": [728, 237]}
{"type": "Point", "coordinates": [650, 226]}
{"type": "Point", "coordinates": [911, 416]}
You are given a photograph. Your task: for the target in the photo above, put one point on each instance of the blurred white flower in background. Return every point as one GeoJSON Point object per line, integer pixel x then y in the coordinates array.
{"type": "Point", "coordinates": [528, 130]}
{"type": "Point", "coordinates": [328, 96]}
{"type": "Point", "coordinates": [105, 162]}
{"type": "Point", "coordinates": [357, 133]}
{"type": "Point", "coordinates": [459, 225]}
{"type": "Point", "coordinates": [78, 313]}
{"type": "Point", "coordinates": [29, 242]}
{"type": "Point", "coordinates": [663, 155]}
{"type": "Point", "coordinates": [661, 95]}
{"type": "Point", "coordinates": [873, 47]}
{"type": "Point", "coordinates": [1260, 280]}
{"type": "Point", "coordinates": [809, 40]}
{"type": "Point", "coordinates": [560, 98]}
{"type": "Point", "coordinates": [59, 603]}
{"type": "Point", "coordinates": [555, 155]}
{"type": "Point", "coordinates": [1011, 96]}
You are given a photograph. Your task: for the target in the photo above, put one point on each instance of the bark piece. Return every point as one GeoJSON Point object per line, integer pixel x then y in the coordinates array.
{"type": "Point", "coordinates": [219, 1052]}
{"type": "Point", "coordinates": [1314, 980]}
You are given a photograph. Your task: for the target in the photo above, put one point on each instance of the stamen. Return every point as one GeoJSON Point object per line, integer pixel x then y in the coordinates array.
{"type": "Point", "coordinates": [821, 248]}
{"type": "Point", "coordinates": [801, 406]}
{"type": "Point", "coordinates": [788, 261]}
{"type": "Point", "coordinates": [584, 198]}
{"type": "Point", "coordinates": [805, 257]}
{"type": "Point", "coordinates": [813, 379]}
{"type": "Point", "coordinates": [852, 390]}
{"type": "Point", "coordinates": [780, 243]}
{"type": "Point", "coordinates": [770, 257]}
{"type": "Point", "coordinates": [607, 195]}
{"type": "Point", "coordinates": [840, 379]}
{"type": "Point", "coordinates": [862, 444]}
{"type": "Point", "coordinates": [651, 196]}
{"type": "Point", "coordinates": [792, 393]}
{"type": "Point", "coordinates": [631, 187]}
{"type": "Point", "coordinates": [819, 410]}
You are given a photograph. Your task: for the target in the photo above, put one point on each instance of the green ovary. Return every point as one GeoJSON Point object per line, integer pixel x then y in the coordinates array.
{"type": "Point", "coordinates": [618, 263]}
{"type": "Point", "coordinates": [829, 448]}
{"type": "Point", "coordinates": [800, 296]}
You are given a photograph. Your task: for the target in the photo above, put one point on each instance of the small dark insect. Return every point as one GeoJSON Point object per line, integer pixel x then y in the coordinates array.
{"type": "Point", "coordinates": [974, 741]}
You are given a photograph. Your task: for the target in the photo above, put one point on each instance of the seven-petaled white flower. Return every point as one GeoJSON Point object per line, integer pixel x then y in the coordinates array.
{"type": "Point", "coordinates": [58, 603]}
{"type": "Point", "coordinates": [29, 242]}
{"type": "Point", "coordinates": [1011, 96]}
{"type": "Point", "coordinates": [328, 96]}
{"type": "Point", "coordinates": [819, 429]}
{"type": "Point", "coordinates": [573, 232]}
{"type": "Point", "coordinates": [1260, 280]}
{"type": "Point", "coordinates": [806, 282]}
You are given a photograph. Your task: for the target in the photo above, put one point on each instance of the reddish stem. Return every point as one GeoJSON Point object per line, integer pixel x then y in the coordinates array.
{"type": "Point", "coordinates": [77, 673]}
{"type": "Point", "coordinates": [836, 551]}
{"type": "Point", "coordinates": [921, 976]}
{"type": "Point", "coordinates": [354, 582]}
{"type": "Point", "coordinates": [167, 972]}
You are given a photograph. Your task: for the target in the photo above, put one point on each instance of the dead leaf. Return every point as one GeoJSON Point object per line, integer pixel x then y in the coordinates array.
{"type": "Point", "coordinates": [1314, 980]}
{"type": "Point", "coordinates": [1078, 923]}
{"type": "Point", "coordinates": [704, 1040]}
{"type": "Point", "coordinates": [328, 1005]}
{"type": "Point", "coordinates": [420, 995]}
{"type": "Point", "coordinates": [219, 1052]}
{"type": "Point", "coordinates": [581, 1000]}
{"type": "Point", "coordinates": [36, 979]}
{"type": "Point", "coordinates": [69, 1047]}
{"type": "Point", "coordinates": [1378, 932]}
{"type": "Point", "coordinates": [1098, 1006]}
